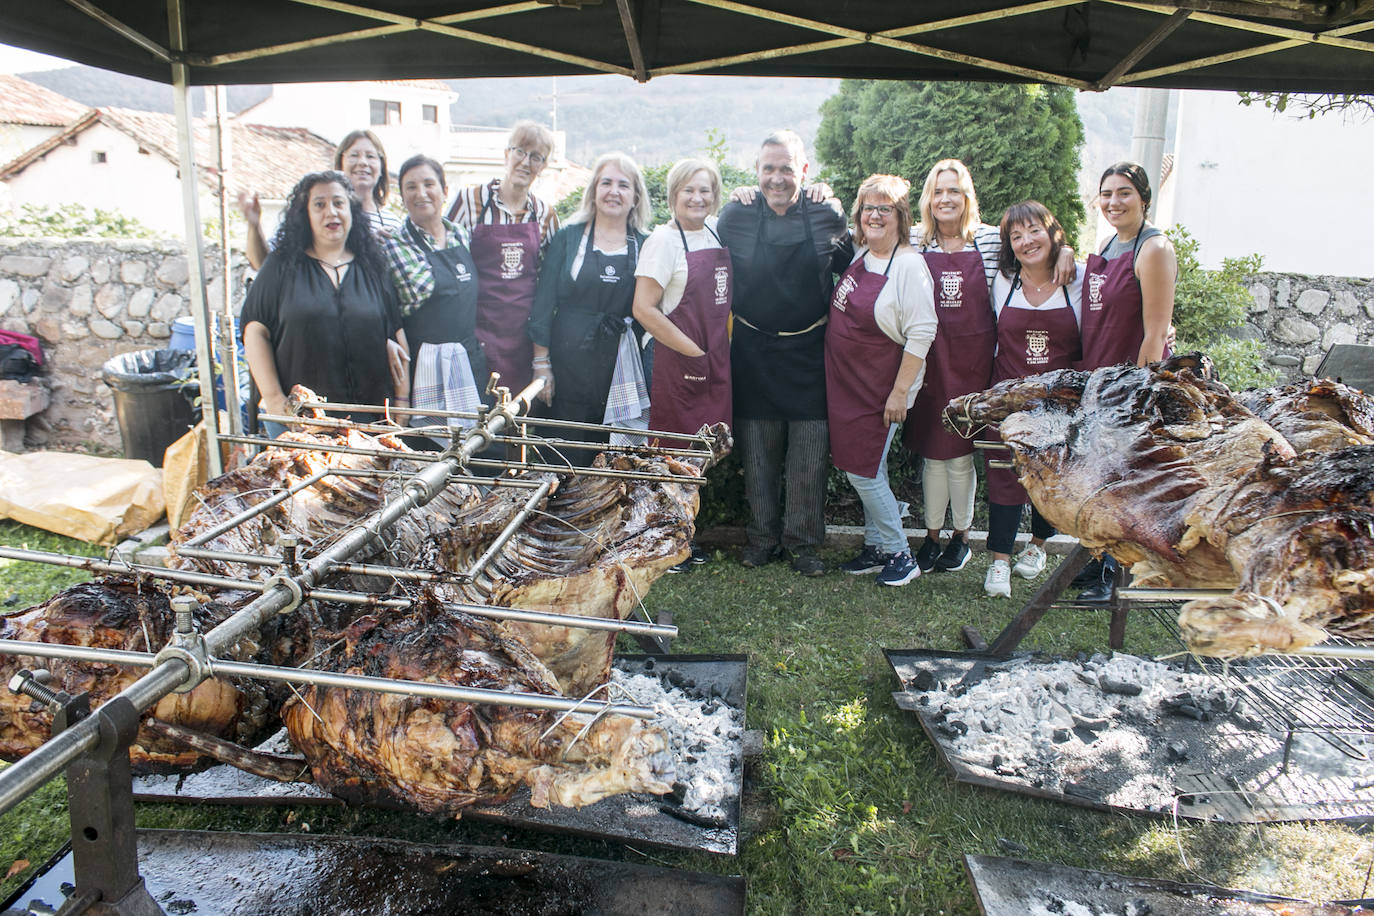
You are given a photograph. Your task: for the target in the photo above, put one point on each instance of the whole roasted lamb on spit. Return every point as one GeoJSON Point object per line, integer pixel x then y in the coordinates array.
{"type": "Point", "coordinates": [1166, 469]}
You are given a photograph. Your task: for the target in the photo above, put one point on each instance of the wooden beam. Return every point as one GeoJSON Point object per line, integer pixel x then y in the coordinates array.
{"type": "Point", "coordinates": [627, 21]}
{"type": "Point", "coordinates": [1169, 26]}
{"type": "Point", "coordinates": [880, 38]}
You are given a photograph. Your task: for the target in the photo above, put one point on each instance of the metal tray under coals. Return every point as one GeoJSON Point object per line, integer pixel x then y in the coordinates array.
{"type": "Point", "coordinates": [1013, 887]}
{"type": "Point", "coordinates": [247, 874]}
{"type": "Point", "coordinates": [630, 817]}
{"type": "Point", "coordinates": [1238, 775]}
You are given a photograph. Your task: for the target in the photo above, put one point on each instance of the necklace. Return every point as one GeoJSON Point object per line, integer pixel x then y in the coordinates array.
{"type": "Point", "coordinates": [1038, 287]}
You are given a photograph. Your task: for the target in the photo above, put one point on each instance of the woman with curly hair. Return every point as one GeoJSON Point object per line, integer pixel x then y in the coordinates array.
{"type": "Point", "coordinates": [322, 312]}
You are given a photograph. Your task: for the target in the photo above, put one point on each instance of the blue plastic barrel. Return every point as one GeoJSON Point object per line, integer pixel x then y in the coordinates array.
{"type": "Point", "coordinates": [183, 334]}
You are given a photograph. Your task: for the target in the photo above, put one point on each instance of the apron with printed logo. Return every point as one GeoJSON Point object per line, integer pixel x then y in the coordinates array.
{"type": "Point", "coordinates": [507, 260]}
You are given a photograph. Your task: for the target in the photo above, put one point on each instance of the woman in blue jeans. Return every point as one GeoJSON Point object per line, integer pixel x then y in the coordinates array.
{"type": "Point", "coordinates": [882, 322]}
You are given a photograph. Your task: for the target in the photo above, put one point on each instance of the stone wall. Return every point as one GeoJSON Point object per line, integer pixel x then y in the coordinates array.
{"type": "Point", "coordinates": [1298, 318]}
{"type": "Point", "coordinates": [89, 300]}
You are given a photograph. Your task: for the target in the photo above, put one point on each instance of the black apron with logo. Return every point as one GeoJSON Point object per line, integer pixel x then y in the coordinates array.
{"type": "Point", "coordinates": [587, 323]}
{"type": "Point", "coordinates": [449, 315]}
{"type": "Point", "coordinates": [779, 374]}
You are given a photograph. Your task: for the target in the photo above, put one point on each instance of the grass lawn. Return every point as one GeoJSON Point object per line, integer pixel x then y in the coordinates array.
{"type": "Point", "coordinates": [849, 810]}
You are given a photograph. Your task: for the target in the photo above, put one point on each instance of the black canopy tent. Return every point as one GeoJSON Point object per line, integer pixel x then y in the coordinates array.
{"type": "Point", "coordinates": [1299, 45]}
{"type": "Point", "coordinates": [1294, 45]}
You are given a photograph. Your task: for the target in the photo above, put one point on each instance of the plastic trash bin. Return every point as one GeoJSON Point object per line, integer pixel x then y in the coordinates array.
{"type": "Point", "coordinates": [154, 391]}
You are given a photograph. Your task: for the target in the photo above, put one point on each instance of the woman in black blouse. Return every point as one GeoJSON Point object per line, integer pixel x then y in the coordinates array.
{"type": "Point", "coordinates": [322, 312]}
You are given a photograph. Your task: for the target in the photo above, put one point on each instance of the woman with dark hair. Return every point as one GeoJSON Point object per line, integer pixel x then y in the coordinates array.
{"type": "Point", "coordinates": [1128, 299]}
{"type": "Point", "coordinates": [882, 322]}
{"type": "Point", "coordinates": [581, 319]}
{"type": "Point", "coordinates": [1128, 303]}
{"type": "Point", "coordinates": [359, 156]}
{"type": "Point", "coordinates": [510, 228]}
{"type": "Point", "coordinates": [322, 312]}
{"type": "Point", "coordinates": [436, 283]}
{"type": "Point", "coordinates": [1037, 331]}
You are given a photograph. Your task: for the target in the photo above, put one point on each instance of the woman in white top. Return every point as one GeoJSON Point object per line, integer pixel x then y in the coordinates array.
{"type": "Point", "coordinates": [882, 322]}
{"type": "Point", "coordinates": [1037, 331]}
{"type": "Point", "coordinates": [962, 254]}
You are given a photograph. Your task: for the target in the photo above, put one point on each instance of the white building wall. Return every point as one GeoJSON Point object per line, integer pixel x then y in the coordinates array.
{"type": "Point", "coordinates": [333, 109]}
{"type": "Point", "coordinates": [142, 185]}
{"type": "Point", "coordinates": [15, 138]}
{"type": "Point", "coordinates": [1296, 190]}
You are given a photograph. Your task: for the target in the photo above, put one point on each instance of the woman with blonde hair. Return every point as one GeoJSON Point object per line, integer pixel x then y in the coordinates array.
{"type": "Point", "coordinates": [962, 253]}
{"type": "Point", "coordinates": [683, 288]}
{"type": "Point", "coordinates": [882, 322]}
{"type": "Point", "coordinates": [581, 321]}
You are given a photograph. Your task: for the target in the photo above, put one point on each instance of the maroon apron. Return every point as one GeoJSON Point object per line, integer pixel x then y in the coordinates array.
{"type": "Point", "coordinates": [689, 392]}
{"type": "Point", "coordinates": [507, 259]}
{"type": "Point", "coordinates": [1029, 341]}
{"type": "Point", "coordinates": [1113, 310]}
{"type": "Point", "coordinates": [861, 363]}
{"type": "Point", "coordinates": [960, 359]}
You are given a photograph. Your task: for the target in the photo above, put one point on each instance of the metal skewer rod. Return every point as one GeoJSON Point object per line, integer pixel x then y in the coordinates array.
{"type": "Point", "coordinates": [508, 532]}
{"type": "Point", "coordinates": [1354, 653]}
{"type": "Point", "coordinates": [334, 679]}
{"type": "Point", "coordinates": [236, 520]}
{"type": "Point", "coordinates": [473, 415]}
{"type": "Point", "coordinates": [1171, 594]}
{"type": "Point", "coordinates": [51, 757]}
{"type": "Point", "coordinates": [430, 457]}
{"type": "Point", "coordinates": [340, 596]}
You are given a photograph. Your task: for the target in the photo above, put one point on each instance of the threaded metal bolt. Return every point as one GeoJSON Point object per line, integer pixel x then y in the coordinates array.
{"type": "Point", "coordinates": [30, 684]}
{"type": "Point", "coordinates": [185, 608]}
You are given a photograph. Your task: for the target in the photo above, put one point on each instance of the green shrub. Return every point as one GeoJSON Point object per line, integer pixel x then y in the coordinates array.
{"type": "Point", "coordinates": [1210, 307]}
{"type": "Point", "coordinates": [70, 221]}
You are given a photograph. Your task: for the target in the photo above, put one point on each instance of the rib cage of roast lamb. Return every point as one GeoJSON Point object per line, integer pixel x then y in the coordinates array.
{"type": "Point", "coordinates": [1269, 492]}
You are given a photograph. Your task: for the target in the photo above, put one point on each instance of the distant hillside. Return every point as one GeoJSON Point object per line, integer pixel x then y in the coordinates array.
{"type": "Point", "coordinates": [656, 122]}
{"type": "Point", "coordinates": [104, 89]}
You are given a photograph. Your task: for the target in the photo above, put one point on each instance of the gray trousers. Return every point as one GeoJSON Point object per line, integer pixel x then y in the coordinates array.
{"type": "Point", "coordinates": [794, 454]}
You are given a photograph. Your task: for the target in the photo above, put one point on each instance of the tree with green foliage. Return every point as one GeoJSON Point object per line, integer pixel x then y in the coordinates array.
{"type": "Point", "coordinates": [656, 178]}
{"type": "Point", "coordinates": [1019, 141]}
{"type": "Point", "coordinates": [1210, 307]}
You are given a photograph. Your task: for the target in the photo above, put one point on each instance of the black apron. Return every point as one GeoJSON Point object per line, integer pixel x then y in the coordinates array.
{"type": "Point", "coordinates": [587, 323]}
{"type": "Point", "coordinates": [779, 374]}
{"type": "Point", "coordinates": [449, 315]}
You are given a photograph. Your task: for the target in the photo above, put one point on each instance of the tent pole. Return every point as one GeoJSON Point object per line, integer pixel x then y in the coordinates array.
{"type": "Point", "coordinates": [228, 349]}
{"type": "Point", "coordinates": [195, 259]}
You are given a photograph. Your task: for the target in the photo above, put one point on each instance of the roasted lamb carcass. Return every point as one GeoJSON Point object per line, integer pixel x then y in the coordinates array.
{"type": "Point", "coordinates": [440, 756]}
{"type": "Point", "coordinates": [1168, 471]}
{"type": "Point", "coordinates": [121, 613]}
{"type": "Point", "coordinates": [1317, 414]}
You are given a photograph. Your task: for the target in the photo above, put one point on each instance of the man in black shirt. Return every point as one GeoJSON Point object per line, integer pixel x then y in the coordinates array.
{"type": "Point", "coordinates": [784, 249]}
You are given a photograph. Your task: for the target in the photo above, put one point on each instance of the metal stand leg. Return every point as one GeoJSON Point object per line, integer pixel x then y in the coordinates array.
{"type": "Point", "coordinates": [100, 802]}
{"type": "Point", "coordinates": [1116, 634]}
{"type": "Point", "coordinates": [1040, 602]}
{"type": "Point", "coordinates": [656, 645]}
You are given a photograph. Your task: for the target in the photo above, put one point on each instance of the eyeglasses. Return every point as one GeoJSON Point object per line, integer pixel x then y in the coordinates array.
{"type": "Point", "coordinates": [880, 209]}
{"type": "Point", "coordinates": [534, 158]}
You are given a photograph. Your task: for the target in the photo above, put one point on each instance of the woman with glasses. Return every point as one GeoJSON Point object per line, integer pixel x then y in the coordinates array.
{"type": "Point", "coordinates": [882, 322]}
{"type": "Point", "coordinates": [581, 319]}
{"type": "Point", "coordinates": [362, 159]}
{"type": "Point", "coordinates": [510, 230]}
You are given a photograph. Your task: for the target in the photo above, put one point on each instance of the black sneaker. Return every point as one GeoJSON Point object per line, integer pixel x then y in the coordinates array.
{"type": "Point", "coordinates": [869, 560]}
{"type": "Point", "coordinates": [698, 556]}
{"type": "Point", "coordinates": [806, 563]}
{"type": "Point", "coordinates": [753, 556]}
{"type": "Point", "coordinates": [928, 555]}
{"type": "Point", "coordinates": [901, 568]}
{"type": "Point", "coordinates": [955, 555]}
{"type": "Point", "coordinates": [684, 566]}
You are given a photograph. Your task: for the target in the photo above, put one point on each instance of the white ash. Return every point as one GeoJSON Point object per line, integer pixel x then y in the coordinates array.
{"type": "Point", "coordinates": [705, 738]}
{"type": "Point", "coordinates": [1053, 726]}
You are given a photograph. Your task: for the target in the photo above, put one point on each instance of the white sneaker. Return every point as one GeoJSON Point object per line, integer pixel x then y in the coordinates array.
{"type": "Point", "coordinates": [1030, 562]}
{"type": "Point", "coordinates": [998, 581]}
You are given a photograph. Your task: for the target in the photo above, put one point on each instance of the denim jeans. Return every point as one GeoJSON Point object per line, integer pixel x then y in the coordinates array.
{"type": "Point", "coordinates": [882, 512]}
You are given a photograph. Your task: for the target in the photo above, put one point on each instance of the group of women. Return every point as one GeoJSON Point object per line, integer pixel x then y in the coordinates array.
{"type": "Point", "coordinates": [630, 328]}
